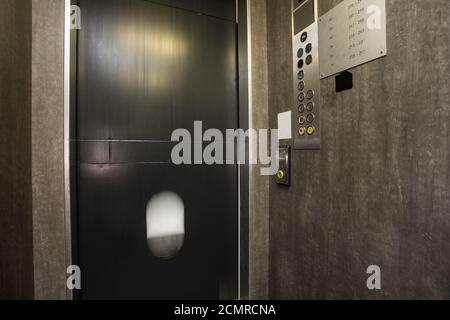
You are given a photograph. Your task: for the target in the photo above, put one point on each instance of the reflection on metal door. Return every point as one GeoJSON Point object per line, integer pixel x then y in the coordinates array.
{"type": "Point", "coordinates": [146, 68]}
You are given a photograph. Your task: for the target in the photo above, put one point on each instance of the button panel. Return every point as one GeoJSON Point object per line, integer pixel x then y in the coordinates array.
{"type": "Point", "coordinates": [307, 134]}
{"type": "Point", "coordinates": [283, 176]}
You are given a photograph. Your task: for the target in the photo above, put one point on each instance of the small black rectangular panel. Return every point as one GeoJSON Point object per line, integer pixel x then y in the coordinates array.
{"type": "Point", "coordinates": [344, 81]}
{"type": "Point", "coordinates": [284, 172]}
{"type": "Point", "coordinates": [304, 17]}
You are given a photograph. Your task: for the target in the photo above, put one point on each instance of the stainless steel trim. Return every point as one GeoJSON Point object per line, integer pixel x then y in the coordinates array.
{"type": "Point", "coordinates": [67, 204]}
{"type": "Point", "coordinates": [250, 122]}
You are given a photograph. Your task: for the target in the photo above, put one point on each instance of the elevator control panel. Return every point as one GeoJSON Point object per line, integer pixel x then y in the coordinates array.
{"type": "Point", "coordinates": [306, 82]}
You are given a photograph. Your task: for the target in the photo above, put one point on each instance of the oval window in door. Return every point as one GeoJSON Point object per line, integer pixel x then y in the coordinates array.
{"type": "Point", "coordinates": [165, 224]}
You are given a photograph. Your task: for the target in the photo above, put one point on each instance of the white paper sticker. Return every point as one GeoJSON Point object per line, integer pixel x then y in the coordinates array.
{"type": "Point", "coordinates": [285, 125]}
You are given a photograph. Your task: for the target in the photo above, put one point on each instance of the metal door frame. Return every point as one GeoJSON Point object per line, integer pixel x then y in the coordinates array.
{"type": "Point", "coordinates": [70, 57]}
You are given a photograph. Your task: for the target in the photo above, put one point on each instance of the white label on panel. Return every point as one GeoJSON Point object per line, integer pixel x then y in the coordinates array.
{"type": "Point", "coordinates": [285, 125]}
{"type": "Point", "coordinates": [351, 34]}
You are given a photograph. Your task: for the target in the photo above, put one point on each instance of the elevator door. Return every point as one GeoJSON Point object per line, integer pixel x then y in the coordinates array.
{"type": "Point", "coordinates": [144, 69]}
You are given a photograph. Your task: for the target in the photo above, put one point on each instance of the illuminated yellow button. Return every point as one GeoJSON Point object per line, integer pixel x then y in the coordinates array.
{"type": "Point", "coordinates": [310, 130]}
{"type": "Point", "coordinates": [280, 174]}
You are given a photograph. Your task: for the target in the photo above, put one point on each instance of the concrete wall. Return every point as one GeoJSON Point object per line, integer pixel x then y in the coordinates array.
{"type": "Point", "coordinates": [16, 242]}
{"type": "Point", "coordinates": [48, 149]}
{"type": "Point", "coordinates": [32, 229]}
{"type": "Point", "coordinates": [378, 191]}
{"type": "Point", "coordinates": [259, 185]}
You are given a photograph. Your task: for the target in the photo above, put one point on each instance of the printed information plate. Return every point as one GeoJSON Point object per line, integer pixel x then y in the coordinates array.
{"type": "Point", "coordinates": [351, 34]}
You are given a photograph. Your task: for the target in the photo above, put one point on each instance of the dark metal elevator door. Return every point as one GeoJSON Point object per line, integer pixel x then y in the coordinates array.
{"type": "Point", "coordinates": [146, 68]}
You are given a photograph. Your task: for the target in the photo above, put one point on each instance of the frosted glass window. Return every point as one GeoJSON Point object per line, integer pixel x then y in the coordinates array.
{"type": "Point", "coordinates": [165, 224]}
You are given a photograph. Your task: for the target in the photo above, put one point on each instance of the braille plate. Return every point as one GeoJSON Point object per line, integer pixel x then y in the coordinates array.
{"type": "Point", "coordinates": [351, 34]}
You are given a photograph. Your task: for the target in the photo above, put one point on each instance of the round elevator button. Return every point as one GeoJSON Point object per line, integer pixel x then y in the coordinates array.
{"type": "Point", "coordinates": [301, 97]}
{"type": "Point", "coordinates": [301, 108]}
{"type": "Point", "coordinates": [281, 174]}
{"type": "Point", "coordinates": [309, 60]}
{"type": "Point", "coordinates": [300, 63]}
{"type": "Point", "coordinates": [301, 131]}
{"type": "Point", "coordinates": [301, 86]}
{"type": "Point", "coordinates": [310, 94]}
{"type": "Point", "coordinates": [300, 53]}
{"type": "Point", "coordinates": [301, 75]}
{"type": "Point", "coordinates": [308, 48]}
{"type": "Point", "coordinates": [302, 120]}
{"type": "Point", "coordinates": [304, 36]}
{"type": "Point", "coordinates": [310, 106]}
{"type": "Point", "coordinates": [310, 130]}
{"type": "Point", "coordinates": [310, 118]}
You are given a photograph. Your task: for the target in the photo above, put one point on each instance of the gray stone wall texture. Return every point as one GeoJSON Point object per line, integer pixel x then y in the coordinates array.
{"type": "Point", "coordinates": [378, 191]}
{"type": "Point", "coordinates": [48, 149]}
{"type": "Point", "coordinates": [16, 242]}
